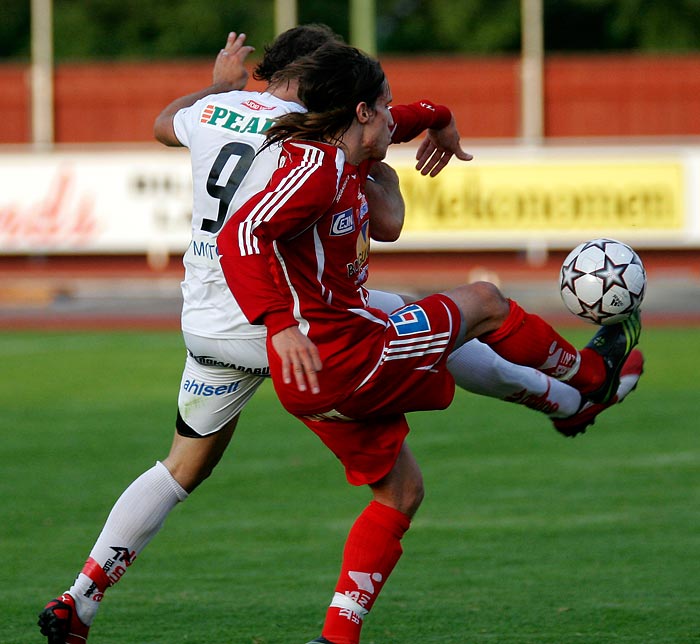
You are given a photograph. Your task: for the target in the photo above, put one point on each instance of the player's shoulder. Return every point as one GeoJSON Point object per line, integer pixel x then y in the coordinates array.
{"type": "Point", "coordinates": [256, 103]}
{"type": "Point", "coordinates": [228, 109]}
{"type": "Point", "coordinates": [312, 153]}
{"type": "Point", "coordinates": [319, 163]}
{"type": "Point", "coordinates": [263, 102]}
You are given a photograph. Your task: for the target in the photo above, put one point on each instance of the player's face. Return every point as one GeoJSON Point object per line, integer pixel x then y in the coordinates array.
{"type": "Point", "coordinates": [377, 131]}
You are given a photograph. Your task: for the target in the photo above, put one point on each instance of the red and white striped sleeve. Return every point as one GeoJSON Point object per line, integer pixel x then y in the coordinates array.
{"type": "Point", "coordinates": [299, 192]}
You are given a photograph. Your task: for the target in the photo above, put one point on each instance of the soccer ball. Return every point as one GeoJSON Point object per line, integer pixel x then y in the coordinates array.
{"type": "Point", "coordinates": [602, 281]}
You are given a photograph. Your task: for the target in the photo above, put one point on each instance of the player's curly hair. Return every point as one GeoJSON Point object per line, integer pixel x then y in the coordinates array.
{"type": "Point", "coordinates": [333, 80]}
{"type": "Point", "coordinates": [291, 45]}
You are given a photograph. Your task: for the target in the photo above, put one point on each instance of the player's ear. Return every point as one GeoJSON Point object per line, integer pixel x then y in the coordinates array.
{"type": "Point", "coordinates": [362, 112]}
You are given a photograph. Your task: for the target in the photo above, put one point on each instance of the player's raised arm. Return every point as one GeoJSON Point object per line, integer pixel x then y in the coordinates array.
{"type": "Point", "coordinates": [229, 74]}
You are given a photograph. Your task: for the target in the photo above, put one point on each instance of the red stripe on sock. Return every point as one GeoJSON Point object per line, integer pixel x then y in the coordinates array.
{"type": "Point", "coordinates": [93, 570]}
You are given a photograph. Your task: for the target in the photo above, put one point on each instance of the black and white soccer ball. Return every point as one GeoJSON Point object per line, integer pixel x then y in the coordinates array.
{"type": "Point", "coordinates": [602, 281]}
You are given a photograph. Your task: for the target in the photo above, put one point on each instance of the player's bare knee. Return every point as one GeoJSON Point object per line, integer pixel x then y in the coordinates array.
{"type": "Point", "coordinates": [405, 494]}
{"type": "Point", "coordinates": [409, 499]}
{"type": "Point", "coordinates": [484, 308]}
{"type": "Point", "coordinates": [493, 303]}
{"type": "Point", "coordinates": [188, 475]}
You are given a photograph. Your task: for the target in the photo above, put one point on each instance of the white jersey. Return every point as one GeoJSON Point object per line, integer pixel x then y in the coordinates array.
{"type": "Point", "coordinates": [224, 133]}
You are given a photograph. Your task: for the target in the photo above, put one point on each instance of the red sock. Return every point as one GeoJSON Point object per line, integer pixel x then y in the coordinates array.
{"type": "Point", "coordinates": [590, 374]}
{"type": "Point", "coordinates": [371, 551]}
{"type": "Point", "coordinates": [528, 340]}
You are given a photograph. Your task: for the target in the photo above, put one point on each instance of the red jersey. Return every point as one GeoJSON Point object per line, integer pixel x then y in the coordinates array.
{"type": "Point", "coordinates": [296, 254]}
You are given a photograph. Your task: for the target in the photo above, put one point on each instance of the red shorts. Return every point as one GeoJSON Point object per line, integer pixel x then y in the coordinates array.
{"type": "Point", "coordinates": [366, 430]}
{"type": "Point", "coordinates": [367, 448]}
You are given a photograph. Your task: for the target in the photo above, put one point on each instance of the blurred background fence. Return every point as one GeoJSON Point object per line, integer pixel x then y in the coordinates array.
{"type": "Point", "coordinates": [585, 96]}
{"type": "Point", "coordinates": [583, 119]}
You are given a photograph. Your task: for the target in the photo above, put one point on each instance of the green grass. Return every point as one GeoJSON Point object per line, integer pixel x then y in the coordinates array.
{"type": "Point", "coordinates": [524, 536]}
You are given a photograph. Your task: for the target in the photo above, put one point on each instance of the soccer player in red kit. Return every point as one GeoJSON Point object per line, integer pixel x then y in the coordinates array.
{"type": "Point", "coordinates": [226, 357]}
{"type": "Point", "coordinates": [296, 257]}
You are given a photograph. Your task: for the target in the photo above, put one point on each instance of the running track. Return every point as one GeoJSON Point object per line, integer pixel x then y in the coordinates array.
{"type": "Point", "coordinates": [120, 292]}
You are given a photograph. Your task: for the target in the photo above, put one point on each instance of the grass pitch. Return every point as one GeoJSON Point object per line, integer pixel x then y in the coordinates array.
{"type": "Point", "coordinates": [524, 536]}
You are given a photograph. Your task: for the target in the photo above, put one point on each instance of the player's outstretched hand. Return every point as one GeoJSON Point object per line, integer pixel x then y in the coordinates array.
{"type": "Point", "coordinates": [229, 68]}
{"type": "Point", "coordinates": [438, 147]}
{"type": "Point", "coordinates": [300, 358]}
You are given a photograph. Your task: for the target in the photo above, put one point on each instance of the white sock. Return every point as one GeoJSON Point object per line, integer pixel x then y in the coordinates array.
{"type": "Point", "coordinates": [476, 367]}
{"type": "Point", "coordinates": [135, 519]}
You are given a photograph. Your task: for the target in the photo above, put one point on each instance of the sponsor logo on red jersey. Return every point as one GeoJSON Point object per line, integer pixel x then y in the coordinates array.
{"type": "Point", "coordinates": [364, 208]}
{"type": "Point", "coordinates": [342, 223]}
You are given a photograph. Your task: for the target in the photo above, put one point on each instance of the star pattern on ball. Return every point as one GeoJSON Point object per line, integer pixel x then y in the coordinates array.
{"type": "Point", "coordinates": [593, 312]}
{"type": "Point", "coordinates": [569, 275]}
{"type": "Point", "coordinates": [636, 300]}
{"type": "Point", "coordinates": [597, 243]}
{"type": "Point", "coordinates": [603, 281]}
{"type": "Point", "coordinates": [611, 274]}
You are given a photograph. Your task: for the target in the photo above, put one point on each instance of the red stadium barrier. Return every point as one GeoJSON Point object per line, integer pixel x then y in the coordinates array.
{"type": "Point", "coordinates": [591, 96]}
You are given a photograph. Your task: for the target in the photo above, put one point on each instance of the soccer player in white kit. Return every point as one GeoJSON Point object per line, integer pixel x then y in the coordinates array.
{"type": "Point", "coordinates": [226, 356]}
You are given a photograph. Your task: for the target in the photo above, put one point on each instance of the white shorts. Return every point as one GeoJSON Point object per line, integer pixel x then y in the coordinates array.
{"type": "Point", "coordinates": [221, 376]}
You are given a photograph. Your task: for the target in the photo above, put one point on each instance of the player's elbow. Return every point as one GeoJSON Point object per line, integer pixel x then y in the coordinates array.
{"type": "Point", "coordinates": [164, 132]}
{"type": "Point", "coordinates": [385, 228]}
{"type": "Point", "coordinates": [386, 234]}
